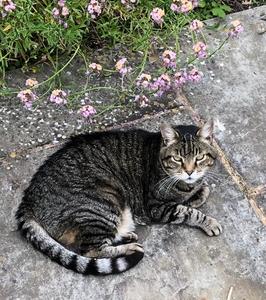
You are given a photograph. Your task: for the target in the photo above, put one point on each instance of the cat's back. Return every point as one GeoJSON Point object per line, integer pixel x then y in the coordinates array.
{"type": "Point", "coordinates": [85, 161]}
{"type": "Point", "coordinates": [87, 153]}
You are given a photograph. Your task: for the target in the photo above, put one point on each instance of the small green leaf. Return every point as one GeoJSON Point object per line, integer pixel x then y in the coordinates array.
{"type": "Point", "coordinates": [202, 3]}
{"type": "Point", "coordinates": [226, 8]}
{"type": "Point", "coordinates": [217, 11]}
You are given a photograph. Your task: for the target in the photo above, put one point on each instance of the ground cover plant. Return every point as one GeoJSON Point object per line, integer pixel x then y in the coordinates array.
{"type": "Point", "coordinates": [34, 30]}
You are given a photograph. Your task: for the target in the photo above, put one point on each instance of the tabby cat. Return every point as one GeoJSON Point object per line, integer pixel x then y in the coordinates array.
{"type": "Point", "coordinates": [81, 206]}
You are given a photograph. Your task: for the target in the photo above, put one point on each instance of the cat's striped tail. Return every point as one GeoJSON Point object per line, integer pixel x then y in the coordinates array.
{"type": "Point", "coordinates": [40, 238]}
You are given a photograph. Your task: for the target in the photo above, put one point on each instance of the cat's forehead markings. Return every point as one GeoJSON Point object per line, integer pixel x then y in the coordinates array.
{"type": "Point", "coordinates": [187, 146]}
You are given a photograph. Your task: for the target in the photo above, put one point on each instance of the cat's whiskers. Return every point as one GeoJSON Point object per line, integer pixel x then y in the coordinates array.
{"type": "Point", "coordinates": [167, 183]}
{"type": "Point", "coordinates": [162, 180]}
{"type": "Point", "coordinates": [215, 178]}
{"type": "Point", "coordinates": [172, 184]}
{"type": "Point", "coordinates": [216, 174]}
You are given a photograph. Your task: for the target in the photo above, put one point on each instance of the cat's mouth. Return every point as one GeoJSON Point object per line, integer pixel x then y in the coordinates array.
{"type": "Point", "coordinates": [192, 178]}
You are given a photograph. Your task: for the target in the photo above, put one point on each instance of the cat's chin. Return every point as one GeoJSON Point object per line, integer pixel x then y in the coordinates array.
{"type": "Point", "coordinates": [191, 180]}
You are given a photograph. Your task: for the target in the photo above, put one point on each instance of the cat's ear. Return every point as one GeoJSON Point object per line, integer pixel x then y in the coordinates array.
{"type": "Point", "coordinates": [206, 131]}
{"type": "Point", "coordinates": [170, 136]}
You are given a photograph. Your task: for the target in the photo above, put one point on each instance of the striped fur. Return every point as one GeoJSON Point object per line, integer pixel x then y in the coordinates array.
{"type": "Point", "coordinates": [82, 204]}
{"type": "Point", "coordinates": [42, 241]}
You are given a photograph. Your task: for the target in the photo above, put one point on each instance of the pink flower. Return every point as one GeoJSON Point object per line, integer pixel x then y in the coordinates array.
{"type": "Point", "coordinates": [194, 75]}
{"type": "Point", "coordinates": [169, 59]}
{"type": "Point", "coordinates": [55, 12]}
{"type": "Point", "coordinates": [144, 80]}
{"type": "Point", "coordinates": [186, 6]}
{"type": "Point", "coordinates": [183, 6]}
{"type": "Point", "coordinates": [8, 6]}
{"type": "Point", "coordinates": [27, 97]}
{"type": "Point", "coordinates": [58, 97]}
{"type": "Point", "coordinates": [157, 15]}
{"type": "Point", "coordinates": [161, 85]}
{"type": "Point", "coordinates": [95, 67]}
{"type": "Point", "coordinates": [200, 49]}
{"type": "Point", "coordinates": [121, 66]}
{"type": "Point", "coordinates": [235, 29]}
{"type": "Point", "coordinates": [180, 78]}
{"type": "Point", "coordinates": [65, 11]}
{"type": "Point", "coordinates": [87, 111]}
{"type": "Point", "coordinates": [95, 8]}
{"type": "Point", "coordinates": [174, 7]}
{"type": "Point", "coordinates": [60, 13]}
{"type": "Point", "coordinates": [61, 3]}
{"type": "Point", "coordinates": [195, 3]}
{"type": "Point", "coordinates": [196, 25]}
{"type": "Point", "coordinates": [128, 3]}
{"type": "Point", "coordinates": [31, 82]}
{"type": "Point", "coordinates": [142, 100]}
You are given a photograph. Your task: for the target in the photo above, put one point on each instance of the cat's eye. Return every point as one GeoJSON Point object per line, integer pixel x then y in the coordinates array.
{"type": "Point", "coordinates": [177, 159]}
{"type": "Point", "coordinates": [200, 157]}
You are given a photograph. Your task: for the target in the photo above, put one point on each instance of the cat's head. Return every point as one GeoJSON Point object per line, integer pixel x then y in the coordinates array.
{"type": "Point", "coordinates": [187, 151]}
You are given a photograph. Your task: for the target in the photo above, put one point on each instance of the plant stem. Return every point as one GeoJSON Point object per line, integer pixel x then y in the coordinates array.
{"type": "Point", "coordinates": [217, 49]}
{"type": "Point", "coordinates": [60, 70]}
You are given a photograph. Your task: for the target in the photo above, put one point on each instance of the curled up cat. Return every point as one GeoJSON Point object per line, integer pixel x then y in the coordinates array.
{"type": "Point", "coordinates": [82, 204]}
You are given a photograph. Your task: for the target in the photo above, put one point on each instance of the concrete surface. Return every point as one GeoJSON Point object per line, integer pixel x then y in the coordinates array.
{"type": "Point", "coordinates": [234, 91]}
{"type": "Point", "coordinates": [180, 263]}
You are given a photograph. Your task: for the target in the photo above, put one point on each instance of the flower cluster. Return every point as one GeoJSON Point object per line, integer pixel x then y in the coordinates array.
{"type": "Point", "coordinates": [235, 29]}
{"type": "Point", "coordinates": [144, 80]}
{"type": "Point", "coordinates": [165, 83]}
{"type": "Point", "coordinates": [161, 85]}
{"type": "Point", "coordinates": [180, 78]}
{"type": "Point", "coordinates": [31, 82]}
{"type": "Point", "coordinates": [87, 111]}
{"type": "Point", "coordinates": [121, 66]}
{"type": "Point", "coordinates": [129, 3]}
{"type": "Point", "coordinates": [95, 67]}
{"type": "Point", "coordinates": [200, 50]}
{"type": "Point", "coordinates": [142, 100]}
{"type": "Point", "coordinates": [184, 76]}
{"type": "Point", "coordinates": [61, 12]}
{"type": "Point", "coordinates": [169, 59]}
{"type": "Point", "coordinates": [27, 97]}
{"type": "Point", "coordinates": [196, 25]}
{"type": "Point", "coordinates": [7, 6]}
{"type": "Point", "coordinates": [194, 75]}
{"type": "Point", "coordinates": [95, 8]}
{"type": "Point", "coordinates": [157, 15]}
{"type": "Point", "coordinates": [58, 97]}
{"type": "Point", "coordinates": [183, 6]}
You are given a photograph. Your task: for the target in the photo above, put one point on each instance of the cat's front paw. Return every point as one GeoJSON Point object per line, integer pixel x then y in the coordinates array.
{"type": "Point", "coordinates": [211, 226]}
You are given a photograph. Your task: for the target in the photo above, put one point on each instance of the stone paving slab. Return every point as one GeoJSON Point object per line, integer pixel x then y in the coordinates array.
{"type": "Point", "coordinates": [233, 90]}
{"type": "Point", "coordinates": [180, 262]}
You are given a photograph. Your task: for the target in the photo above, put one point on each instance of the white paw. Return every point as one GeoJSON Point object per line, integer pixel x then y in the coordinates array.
{"type": "Point", "coordinates": [212, 227]}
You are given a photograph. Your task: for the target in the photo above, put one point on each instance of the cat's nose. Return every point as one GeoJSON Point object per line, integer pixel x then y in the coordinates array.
{"type": "Point", "coordinates": [189, 172]}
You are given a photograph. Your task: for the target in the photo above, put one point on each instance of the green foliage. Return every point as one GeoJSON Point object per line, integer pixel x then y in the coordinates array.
{"type": "Point", "coordinates": [30, 32]}
{"type": "Point", "coordinates": [212, 9]}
